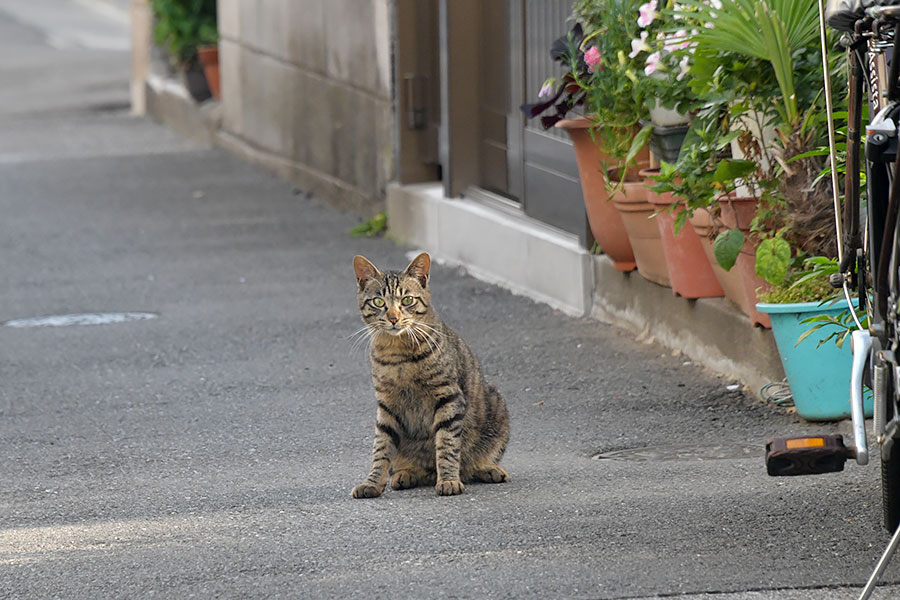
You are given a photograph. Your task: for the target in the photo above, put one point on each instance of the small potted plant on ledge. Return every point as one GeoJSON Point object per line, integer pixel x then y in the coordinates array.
{"type": "Point", "coordinates": [181, 27]}
{"type": "Point", "coordinates": [560, 104]}
{"type": "Point", "coordinates": [766, 99]}
{"type": "Point", "coordinates": [618, 105]}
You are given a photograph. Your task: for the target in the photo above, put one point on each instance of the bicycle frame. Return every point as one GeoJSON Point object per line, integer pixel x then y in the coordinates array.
{"type": "Point", "coordinates": [869, 248]}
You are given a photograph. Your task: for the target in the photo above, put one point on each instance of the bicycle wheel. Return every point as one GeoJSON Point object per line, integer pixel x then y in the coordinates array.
{"type": "Point", "coordinates": [889, 340]}
{"type": "Point", "coordinates": [890, 487]}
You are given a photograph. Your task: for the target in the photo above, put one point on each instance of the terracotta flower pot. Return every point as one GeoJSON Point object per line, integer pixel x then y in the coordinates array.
{"type": "Point", "coordinates": [604, 219]}
{"type": "Point", "coordinates": [631, 200]}
{"type": "Point", "coordinates": [690, 273]}
{"type": "Point", "coordinates": [208, 56]}
{"type": "Point", "coordinates": [739, 283]}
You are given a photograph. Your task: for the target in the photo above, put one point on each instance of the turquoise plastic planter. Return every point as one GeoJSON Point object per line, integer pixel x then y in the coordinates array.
{"type": "Point", "coordinates": [819, 377]}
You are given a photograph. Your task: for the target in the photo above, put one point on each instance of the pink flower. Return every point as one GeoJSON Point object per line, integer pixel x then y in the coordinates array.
{"type": "Point", "coordinates": [648, 13]}
{"type": "Point", "coordinates": [592, 58]}
{"type": "Point", "coordinates": [652, 64]}
{"type": "Point", "coordinates": [639, 45]}
{"type": "Point", "coordinates": [679, 41]}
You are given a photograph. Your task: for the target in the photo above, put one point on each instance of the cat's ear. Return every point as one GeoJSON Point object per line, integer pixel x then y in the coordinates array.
{"type": "Point", "coordinates": [419, 268]}
{"type": "Point", "coordinates": [364, 269]}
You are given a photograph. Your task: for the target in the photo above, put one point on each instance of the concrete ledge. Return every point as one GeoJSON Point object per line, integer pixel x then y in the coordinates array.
{"type": "Point", "coordinates": [501, 247]}
{"type": "Point", "coordinates": [539, 261]}
{"type": "Point", "coordinates": [710, 331]}
{"type": "Point", "coordinates": [168, 102]}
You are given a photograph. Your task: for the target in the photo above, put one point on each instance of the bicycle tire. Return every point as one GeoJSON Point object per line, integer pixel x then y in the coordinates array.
{"type": "Point", "coordinates": [890, 458]}
{"type": "Point", "coordinates": [890, 487]}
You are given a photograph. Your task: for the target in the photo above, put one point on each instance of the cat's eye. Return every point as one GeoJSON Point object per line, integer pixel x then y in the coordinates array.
{"type": "Point", "coordinates": [379, 302]}
{"type": "Point", "coordinates": [406, 300]}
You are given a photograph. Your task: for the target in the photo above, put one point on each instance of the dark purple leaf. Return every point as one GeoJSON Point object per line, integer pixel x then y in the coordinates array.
{"type": "Point", "coordinates": [550, 120]}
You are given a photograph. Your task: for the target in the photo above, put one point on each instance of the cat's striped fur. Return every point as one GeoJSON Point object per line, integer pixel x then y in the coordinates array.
{"type": "Point", "coordinates": [437, 421]}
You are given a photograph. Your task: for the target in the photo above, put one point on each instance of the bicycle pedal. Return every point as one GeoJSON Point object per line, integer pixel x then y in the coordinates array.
{"type": "Point", "coordinates": [808, 455]}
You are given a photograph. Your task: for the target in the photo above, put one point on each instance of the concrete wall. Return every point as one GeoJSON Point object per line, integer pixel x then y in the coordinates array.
{"type": "Point", "coordinates": [306, 89]}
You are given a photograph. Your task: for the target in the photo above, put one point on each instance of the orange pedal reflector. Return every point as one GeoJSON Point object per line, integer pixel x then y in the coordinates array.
{"type": "Point", "coordinates": [814, 442]}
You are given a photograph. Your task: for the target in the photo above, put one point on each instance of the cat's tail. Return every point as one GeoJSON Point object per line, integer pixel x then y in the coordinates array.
{"type": "Point", "coordinates": [496, 427]}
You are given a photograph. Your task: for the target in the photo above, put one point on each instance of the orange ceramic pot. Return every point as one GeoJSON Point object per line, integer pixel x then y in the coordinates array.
{"type": "Point", "coordinates": [603, 218]}
{"type": "Point", "coordinates": [741, 282]}
{"type": "Point", "coordinates": [208, 57]}
{"type": "Point", "coordinates": [690, 273]}
{"type": "Point", "coordinates": [631, 200]}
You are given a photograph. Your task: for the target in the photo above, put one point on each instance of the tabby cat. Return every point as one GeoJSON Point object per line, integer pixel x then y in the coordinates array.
{"type": "Point", "coordinates": [437, 422]}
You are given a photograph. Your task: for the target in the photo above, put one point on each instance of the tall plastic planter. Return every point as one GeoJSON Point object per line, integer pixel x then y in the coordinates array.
{"type": "Point", "coordinates": [819, 377]}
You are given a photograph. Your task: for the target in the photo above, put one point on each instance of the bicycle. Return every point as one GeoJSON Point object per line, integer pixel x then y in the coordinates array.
{"type": "Point", "coordinates": [868, 232]}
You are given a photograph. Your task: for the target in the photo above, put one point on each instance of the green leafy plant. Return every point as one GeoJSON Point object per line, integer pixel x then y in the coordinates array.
{"type": "Point", "coordinates": [758, 63]}
{"type": "Point", "coordinates": [704, 171]}
{"type": "Point", "coordinates": [372, 227]}
{"type": "Point", "coordinates": [181, 26]}
{"type": "Point", "coordinates": [811, 284]}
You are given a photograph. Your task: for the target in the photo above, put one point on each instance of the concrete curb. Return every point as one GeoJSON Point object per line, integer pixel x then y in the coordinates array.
{"type": "Point", "coordinates": [710, 331]}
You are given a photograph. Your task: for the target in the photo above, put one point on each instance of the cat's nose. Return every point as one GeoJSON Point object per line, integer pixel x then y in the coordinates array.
{"type": "Point", "coordinates": [393, 318]}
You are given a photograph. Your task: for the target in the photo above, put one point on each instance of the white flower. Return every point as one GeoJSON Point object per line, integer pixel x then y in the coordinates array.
{"type": "Point", "coordinates": [647, 13]}
{"type": "Point", "coordinates": [639, 45]}
{"type": "Point", "coordinates": [683, 65]}
{"type": "Point", "coordinates": [652, 63]}
{"type": "Point", "coordinates": [679, 41]}
{"type": "Point", "coordinates": [546, 89]}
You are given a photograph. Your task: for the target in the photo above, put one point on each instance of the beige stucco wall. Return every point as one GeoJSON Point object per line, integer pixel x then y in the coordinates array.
{"type": "Point", "coordinates": [306, 88]}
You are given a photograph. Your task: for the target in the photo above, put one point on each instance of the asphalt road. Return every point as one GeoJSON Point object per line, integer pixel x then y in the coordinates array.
{"type": "Point", "coordinates": [210, 451]}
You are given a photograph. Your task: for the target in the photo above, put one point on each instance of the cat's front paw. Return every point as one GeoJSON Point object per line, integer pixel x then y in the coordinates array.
{"type": "Point", "coordinates": [492, 474]}
{"type": "Point", "coordinates": [449, 488]}
{"type": "Point", "coordinates": [366, 490]}
{"type": "Point", "coordinates": [402, 480]}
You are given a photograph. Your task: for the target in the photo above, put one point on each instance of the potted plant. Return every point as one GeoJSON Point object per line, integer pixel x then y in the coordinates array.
{"type": "Point", "coordinates": [556, 100]}
{"type": "Point", "coordinates": [807, 316]}
{"type": "Point", "coordinates": [665, 47]}
{"type": "Point", "coordinates": [756, 64]}
{"type": "Point", "coordinates": [700, 180]}
{"type": "Point", "coordinates": [208, 57]}
{"type": "Point", "coordinates": [181, 27]}
{"type": "Point", "coordinates": [617, 103]}
{"type": "Point", "coordinates": [761, 61]}
{"type": "Point", "coordinates": [665, 50]}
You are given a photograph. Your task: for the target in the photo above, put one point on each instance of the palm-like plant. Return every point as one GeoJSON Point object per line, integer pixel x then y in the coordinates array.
{"type": "Point", "coordinates": [773, 31]}
{"type": "Point", "coordinates": [761, 60]}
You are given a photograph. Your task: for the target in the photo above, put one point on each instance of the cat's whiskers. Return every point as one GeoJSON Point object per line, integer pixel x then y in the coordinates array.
{"type": "Point", "coordinates": [407, 331]}
{"type": "Point", "coordinates": [365, 334]}
{"type": "Point", "coordinates": [434, 334]}
{"type": "Point", "coordinates": [428, 327]}
{"type": "Point", "coordinates": [427, 337]}
{"type": "Point", "coordinates": [414, 332]}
